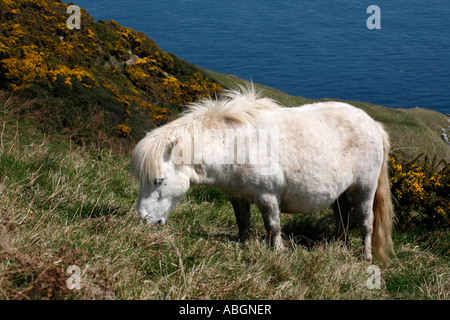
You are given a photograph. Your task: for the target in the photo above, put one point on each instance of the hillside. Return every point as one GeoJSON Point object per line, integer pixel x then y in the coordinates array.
{"type": "Point", "coordinates": [72, 105]}
{"type": "Point", "coordinates": [99, 81]}
{"type": "Point", "coordinates": [63, 206]}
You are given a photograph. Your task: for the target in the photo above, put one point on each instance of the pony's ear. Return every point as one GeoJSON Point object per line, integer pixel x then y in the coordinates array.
{"type": "Point", "coordinates": [168, 149]}
{"type": "Point", "coordinates": [172, 143]}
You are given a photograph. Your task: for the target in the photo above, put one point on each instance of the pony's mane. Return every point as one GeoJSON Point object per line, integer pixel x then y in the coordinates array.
{"type": "Point", "coordinates": [233, 108]}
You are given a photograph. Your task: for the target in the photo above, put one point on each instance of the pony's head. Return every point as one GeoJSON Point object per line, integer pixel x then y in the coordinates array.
{"type": "Point", "coordinates": [162, 182]}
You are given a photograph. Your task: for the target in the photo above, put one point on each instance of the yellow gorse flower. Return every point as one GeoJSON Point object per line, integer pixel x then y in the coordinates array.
{"type": "Point", "coordinates": [423, 189]}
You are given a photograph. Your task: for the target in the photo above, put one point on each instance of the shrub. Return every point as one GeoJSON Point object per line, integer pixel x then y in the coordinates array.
{"type": "Point", "coordinates": [103, 65]}
{"type": "Point", "coordinates": [420, 189]}
{"type": "Point", "coordinates": [123, 130]}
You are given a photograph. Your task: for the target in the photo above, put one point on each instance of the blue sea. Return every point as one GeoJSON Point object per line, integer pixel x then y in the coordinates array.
{"type": "Point", "coordinates": [315, 49]}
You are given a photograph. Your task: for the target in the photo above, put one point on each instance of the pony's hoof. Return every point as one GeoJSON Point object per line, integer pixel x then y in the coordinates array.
{"type": "Point", "coordinates": [368, 257]}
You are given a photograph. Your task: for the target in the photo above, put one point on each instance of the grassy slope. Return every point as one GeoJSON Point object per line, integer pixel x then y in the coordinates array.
{"type": "Point", "coordinates": [62, 205]}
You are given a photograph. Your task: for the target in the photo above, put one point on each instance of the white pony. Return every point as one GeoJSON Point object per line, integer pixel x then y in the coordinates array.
{"type": "Point", "coordinates": [291, 160]}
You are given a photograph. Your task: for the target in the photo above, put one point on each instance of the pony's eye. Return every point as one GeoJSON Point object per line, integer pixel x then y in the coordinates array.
{"type": "Point", "coordinates": [157, 182]}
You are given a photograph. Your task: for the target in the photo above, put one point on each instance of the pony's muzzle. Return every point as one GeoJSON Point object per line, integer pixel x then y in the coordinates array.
{"type": "Point", "coordinates": [146, 218]}
{"type": "Point", "coordinates": [155, 222]}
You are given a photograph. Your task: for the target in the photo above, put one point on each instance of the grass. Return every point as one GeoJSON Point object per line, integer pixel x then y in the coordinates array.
{"type": "Point", "coordinates": [64, 205]}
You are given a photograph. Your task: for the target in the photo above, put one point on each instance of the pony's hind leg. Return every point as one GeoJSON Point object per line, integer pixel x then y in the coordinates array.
{"type": "Point", "coordinates": [269, 206]}
{"type": "Point", "coordinates": [341, 210]}
{"type": "Point", "coordinates": [363, 204]}
{"type": "Point", "coordinates": [243, 217]}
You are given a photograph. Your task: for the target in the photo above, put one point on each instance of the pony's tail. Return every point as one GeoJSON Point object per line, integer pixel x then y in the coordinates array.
{"type": "Point", "coordinates": [382, 209]}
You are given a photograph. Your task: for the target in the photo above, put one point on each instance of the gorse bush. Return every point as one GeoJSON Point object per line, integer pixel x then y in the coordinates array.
{"type": "Point", "coordinates": [101, 66]}
{"type": "Point", "coordinates": [421, 189]}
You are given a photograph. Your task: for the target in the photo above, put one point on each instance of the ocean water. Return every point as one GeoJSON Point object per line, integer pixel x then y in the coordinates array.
{"type": "Point", "coordinates": [315, 49]}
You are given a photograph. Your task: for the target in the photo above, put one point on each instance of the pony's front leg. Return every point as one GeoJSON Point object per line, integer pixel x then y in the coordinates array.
{"type": "Point", "coordinates": [243, 217]}
{"type": "Point", "coordinates": [269, 205]}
